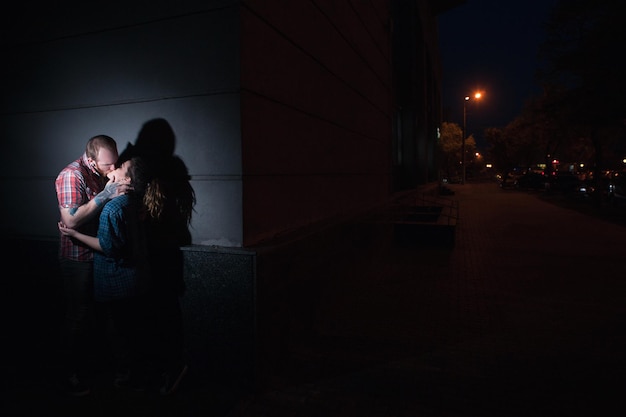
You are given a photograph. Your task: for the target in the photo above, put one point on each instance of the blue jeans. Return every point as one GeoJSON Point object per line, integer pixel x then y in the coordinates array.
{"type": "Point", "coordinates": [79, 321]}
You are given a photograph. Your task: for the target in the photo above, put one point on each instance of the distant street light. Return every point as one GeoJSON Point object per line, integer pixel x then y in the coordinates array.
{"type": "Point", "coordinates": [477, 96]}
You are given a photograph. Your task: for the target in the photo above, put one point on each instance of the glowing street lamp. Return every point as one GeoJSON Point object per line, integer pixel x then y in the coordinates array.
{"type": "Point", "coordinates": [476, 96]}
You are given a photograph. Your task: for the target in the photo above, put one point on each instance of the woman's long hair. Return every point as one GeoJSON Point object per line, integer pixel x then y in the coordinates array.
{"type": "Point", "coordinates": [171, 193]}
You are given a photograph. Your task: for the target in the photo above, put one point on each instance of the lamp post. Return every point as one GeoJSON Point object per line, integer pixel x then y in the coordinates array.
{"type": "Point", "coordinates": [467, 98]}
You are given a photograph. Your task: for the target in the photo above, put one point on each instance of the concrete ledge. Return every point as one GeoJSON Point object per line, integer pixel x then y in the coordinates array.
{"type": "Point", "coordinates": [425, 220]}
{"type": "Point", "coordinates": [219, 308]}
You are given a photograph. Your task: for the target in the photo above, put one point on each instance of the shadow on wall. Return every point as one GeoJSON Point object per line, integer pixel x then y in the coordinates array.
{"type": "Point", "coordinates": [169, 203]}
{"type": "Point", "coordinates": [156, 143]}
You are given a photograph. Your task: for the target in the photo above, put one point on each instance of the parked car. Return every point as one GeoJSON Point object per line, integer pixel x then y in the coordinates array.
{"type": "Point", "coordinates": [616, 190]}
{"type": "Point", "coordinates": [531, 180]}
{"type": "Point", "coordinates": [611, 189]}
{"type": "Point", "coordinates": [508, 179]}
{"type": "Point", "coordinates": [564, 182]}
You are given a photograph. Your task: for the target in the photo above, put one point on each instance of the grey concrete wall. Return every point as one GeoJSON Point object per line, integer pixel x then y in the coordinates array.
{"type": "Point", "coordinates": [110, 77]}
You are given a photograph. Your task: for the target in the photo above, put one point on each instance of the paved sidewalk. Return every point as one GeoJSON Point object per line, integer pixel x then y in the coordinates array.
{"type": "Point", "coordinates": [524, 317]}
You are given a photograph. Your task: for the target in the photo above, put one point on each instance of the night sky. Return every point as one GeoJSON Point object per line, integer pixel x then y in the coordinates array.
{"type": "Point", "coordinates": [492, 46]}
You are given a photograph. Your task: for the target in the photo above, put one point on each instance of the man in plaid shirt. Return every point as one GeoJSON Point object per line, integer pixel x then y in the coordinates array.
{"type": "Point", "coordinates": [82, 190]}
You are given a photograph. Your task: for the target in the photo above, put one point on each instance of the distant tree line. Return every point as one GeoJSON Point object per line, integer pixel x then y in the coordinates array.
{"type": "Point", "coordinates": [581, 114]}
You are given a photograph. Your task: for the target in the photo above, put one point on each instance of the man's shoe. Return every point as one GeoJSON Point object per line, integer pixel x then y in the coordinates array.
{"type": "Point", "coordinates": [125, 381]}
{"type": "Point", "coordinates": [171, 381]}
{"type": "Point", "coordinates": [76, 388]}
{"type": "Point", "coordinates": [121, 379]}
